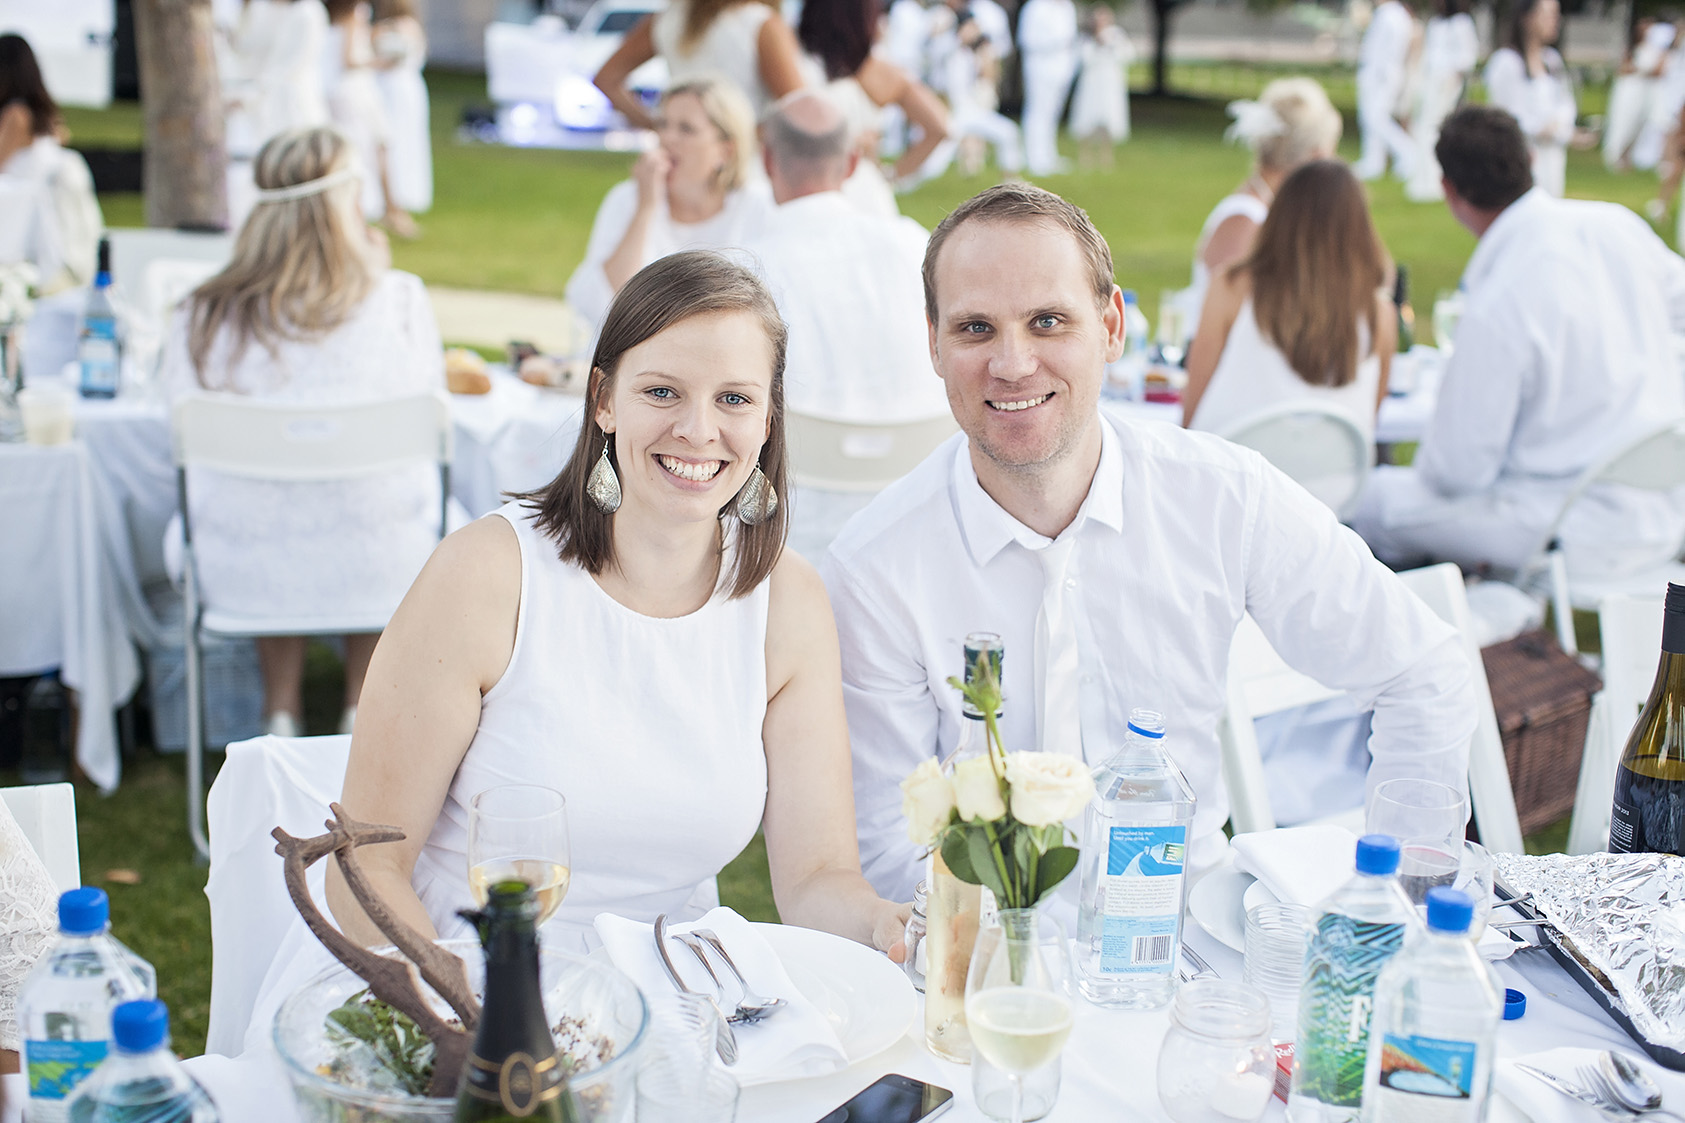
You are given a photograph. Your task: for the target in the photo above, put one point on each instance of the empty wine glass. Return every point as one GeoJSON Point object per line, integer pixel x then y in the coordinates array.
{"type": "Point", "coordinates": [1015, 1007]}
{"type": "Point", "coordinates": [520, 832]}
{"type": "Point", "coordinates": [1428, 819]}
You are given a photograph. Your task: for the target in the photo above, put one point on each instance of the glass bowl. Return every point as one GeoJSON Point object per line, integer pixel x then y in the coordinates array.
{"type": "Point", "coordinates": [601, 1001]}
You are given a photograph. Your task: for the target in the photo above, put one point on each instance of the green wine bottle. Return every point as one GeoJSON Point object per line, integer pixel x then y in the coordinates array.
{"type": "Point", "coordinates": [513, 1071]}
{"type": "Point", "coordinates": [1649, 812]}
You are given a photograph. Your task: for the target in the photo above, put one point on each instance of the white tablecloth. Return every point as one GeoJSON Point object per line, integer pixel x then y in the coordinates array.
{"type": "Point", "coordinates": [62, 604]}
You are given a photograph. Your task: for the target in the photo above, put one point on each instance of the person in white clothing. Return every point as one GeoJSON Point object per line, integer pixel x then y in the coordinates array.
{"type": "Point", "coordinates": [1047, 46]}
{"type": "Point", "coordinates": [1382, 70]}
{"type": "Point", "coordinates": [1100, 104]}
{"type": "Point", "coordinates": [307, 310]}
{"type": "Point", "coordinates": [1529, 80]}
{"type": "Point", "coordinates": [906, 43]}
{"type": "Point", "coordinates": [359, 112]}
{"type": "Point", "coordinates": [400, 51]}
{"type": "Point", "coordinates": [1307, 315]}
{"type": "Point", "coordinates": [744, 42]}
{"type": "Point", "coordinates": [1564, 354]}
{"type": "Point", "coordinates": [694, 190]}
{"type": "Point", "coordinates": [1450, 49]}
{"type": "Point", "coordinates": [971, 69]}
{"type": "Point", "coordinates": [1291, 123]}
{"type": "Point", "coordinates": [1633, 91]}
{"type": "Point", "coordinates": [1114, 559]}
{"type": "Point", "coordinates": [281, 44]}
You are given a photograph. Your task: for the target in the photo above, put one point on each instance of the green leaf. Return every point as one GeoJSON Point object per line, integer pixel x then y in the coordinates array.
{"type": "Point", "coordinates": [983, 862]}
{"type": "Point", "coordinates": [1056, 865]}
{"type": "Point", "coordinates": [957, 854]}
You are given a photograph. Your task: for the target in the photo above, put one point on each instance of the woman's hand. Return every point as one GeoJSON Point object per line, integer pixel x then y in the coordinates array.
{"type": "Point", "coordinates": [650, 174]}
{"type": "Point", "coordinates": [890, 933]}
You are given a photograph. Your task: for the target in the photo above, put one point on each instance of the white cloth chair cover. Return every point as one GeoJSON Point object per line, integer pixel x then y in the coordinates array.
{"type": "Point", "coordinates": [46, 813]}
{"type": "Point", "coordinates": [264, 783]}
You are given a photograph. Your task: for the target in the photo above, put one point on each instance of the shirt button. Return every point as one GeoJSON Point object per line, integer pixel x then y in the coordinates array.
{"type": "Point", "coordinates": [1070, 582]}
{"type": "Point", "coordinates": [1087, 679]}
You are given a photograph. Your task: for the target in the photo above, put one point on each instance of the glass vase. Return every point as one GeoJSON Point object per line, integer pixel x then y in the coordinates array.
{"type": "Point", "coordinates": [1018, 1006]}
{"type": "Point", "coordinates": [952, 909]}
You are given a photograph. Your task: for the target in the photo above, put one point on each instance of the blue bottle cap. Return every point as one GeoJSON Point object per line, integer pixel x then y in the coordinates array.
{"type": "Point", "coordinates": [1449, 910]}
{"type": "Point", "coordinates": [1515, 1004]}
{"type": "Point", "coordinates": [83, 912]}
{"type": "Point", "coordinates": [140, 1026]}
{"type": "Point", "coordinates": [1377, 854]}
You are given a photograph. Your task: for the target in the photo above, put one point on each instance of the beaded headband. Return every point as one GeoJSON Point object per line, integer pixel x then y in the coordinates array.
{"type": "Point", "coordinates": [308, 187]}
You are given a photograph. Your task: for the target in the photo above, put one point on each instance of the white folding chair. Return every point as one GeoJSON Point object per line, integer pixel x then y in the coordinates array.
{"type": "Point", "coordinates": [1261, 682]}
{"type": "Point", "coordinates": [133, 249]}
{"type": "Point", "coordinates": [1653, 462]}
{"type": "Point", "coordinates": [1319, 446]}
{"type": "Point", "coordinates": [294, 443]}
{"type": "Point", "coordinates": [46, 813]}
{"type": "Point", "coordinates": [1629, 633]}
{"type": "Point", "coordinates": [850, 456]}
{"type": "Point", "coordinates": [167, 280]}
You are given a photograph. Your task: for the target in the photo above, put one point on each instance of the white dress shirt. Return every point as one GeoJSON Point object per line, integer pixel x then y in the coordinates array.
{"type": "Point", "coordinates": [1565, 352]}
{"type": "Point", "coordinates": [1179, 535]}
{"type": "Point", "coordinates": [849, 287]}
{"type": "Point", "coordinates": [1047, 31]}
{"type": "Point", "coordinates": [1543, 105]}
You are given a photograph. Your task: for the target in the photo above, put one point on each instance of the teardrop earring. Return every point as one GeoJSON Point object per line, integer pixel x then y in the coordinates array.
{"type": "Point", "coordinates": [602, 485]}
{"type": "Point", "coordinates": [758, 501]}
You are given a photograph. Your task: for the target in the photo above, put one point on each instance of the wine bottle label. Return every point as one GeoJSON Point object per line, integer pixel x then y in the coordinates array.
{"type": "Point", "coordinates": [1143, 899]}
{"type": "Point", "coordinates": [1648, 814]}
{"type": "Point", "coordinates": [1426, 1080]}
{"type": "Point", "coordinates": [522, 1086]}
{"type": "Point", "coordinates": [1623, 828]}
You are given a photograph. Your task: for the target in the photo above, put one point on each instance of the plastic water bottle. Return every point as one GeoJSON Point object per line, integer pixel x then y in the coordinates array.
{"type": "Point", "coordinates": [99, 351]}
{"type": "Point", "coordinates": [64, 1006]}
{"type": "Point", "coordinates": [1358, 929]}
{"type": "Point", "coordinates": [1437, 1009]}
{"type": "Point", "coordinates": [1133, 886]}
{"type": "Point", "coordinates": [1130, 370]}
{"type": "Point", "coordinates": [141, 1082]}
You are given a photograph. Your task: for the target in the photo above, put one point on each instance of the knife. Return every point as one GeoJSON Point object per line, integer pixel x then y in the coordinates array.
{"type": "Point", "coordinates": [1574, 1091]}
{"type": "Point", "coordinates": [725, 1041]}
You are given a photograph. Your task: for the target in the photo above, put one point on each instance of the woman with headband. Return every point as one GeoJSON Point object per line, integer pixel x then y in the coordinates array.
{"type": "Point", "coordinates": [309, 310]}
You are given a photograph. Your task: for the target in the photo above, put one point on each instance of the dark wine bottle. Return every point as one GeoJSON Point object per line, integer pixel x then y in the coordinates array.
{"type": "Point", "coordinates": [1649, 813]}
{"type": "Point", "coordinates": [513, 1070]}
{"type": "Point", "coordinates": [1406, 314]}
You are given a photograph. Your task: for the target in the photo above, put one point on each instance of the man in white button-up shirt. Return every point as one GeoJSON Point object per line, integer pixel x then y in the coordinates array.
{"type": "Point", "coordinates": [1167, 536]}
{"type": "Point", "coordinates": [1565, 353]}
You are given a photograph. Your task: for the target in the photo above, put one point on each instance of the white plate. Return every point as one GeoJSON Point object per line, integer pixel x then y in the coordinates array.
{"type": "Point", "coordinates": [1217, 905]}
{"type": "Point", "coordinates": [868, 1000]}
{"type": "Point", "coordinates": [1256, 894]}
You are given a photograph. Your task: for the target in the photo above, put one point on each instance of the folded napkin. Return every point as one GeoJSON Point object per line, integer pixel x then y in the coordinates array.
{"type": "Point", "coordinates": [794, 1043]}
{"type": "Point", "coordinates": [1300, 865]}
{"type": "Point", "coordinates": [1540, 1102]}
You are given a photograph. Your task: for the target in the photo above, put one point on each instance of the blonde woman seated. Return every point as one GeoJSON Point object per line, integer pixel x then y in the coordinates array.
{"type": "Point", "coordinates": [1304, 316]}
{"type": "Point", "coordinates": [635, 636]}
{"type": "Point", "coordinates": [308, 311]}
{"type": "Point", "coordinates": [694, 190]}
{"type": "Point", "coordinates": [1290, 124]}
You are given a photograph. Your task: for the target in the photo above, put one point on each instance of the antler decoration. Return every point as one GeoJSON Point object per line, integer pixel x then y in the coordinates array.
{"type": "Point", "coordinates": [392, 980]}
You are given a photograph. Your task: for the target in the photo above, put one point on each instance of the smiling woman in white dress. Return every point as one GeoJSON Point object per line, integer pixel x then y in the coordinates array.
{"type": "Point", "coordinates": [635, 636]}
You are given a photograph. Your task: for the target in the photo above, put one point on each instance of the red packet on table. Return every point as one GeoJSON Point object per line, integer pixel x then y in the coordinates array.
{"type": "Point", "coordinates": [1283, 1070]}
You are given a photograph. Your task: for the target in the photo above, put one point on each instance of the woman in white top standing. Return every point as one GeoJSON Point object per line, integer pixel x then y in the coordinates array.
{"type": "Point", "coordinates": [358, 110]}
{"type": "Point", "coordinates": [1450, 49]}
{"type": "Point", "coordinates": [308, 311]}
{"type": "Point", "coordinates": [1528, 80]}
{"type": "Point", "coordinates": [694, 190]}
{"type": "Point", "coordinates": [837, 37]}
{"type": "Point", "coordinates": [400, 50]}
{"type": "Point", "coordinates": [282, 43]}
{"type": "Point", "coordinates": [1304, 317]}
{"type": "Point", "coordinates": [1290, 124]}
{"type": "Point", "coordinates": [635, 636]}
{"type": "Point", "coordinates": [745, 41]}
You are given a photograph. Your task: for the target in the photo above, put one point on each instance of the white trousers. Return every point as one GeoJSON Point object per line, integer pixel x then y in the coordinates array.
{"type": "Point", "coordinates": [1047, 83]}
{"type": "Point", "coordinates": [1383, 136]}
{"type": "Point", "coordinates": [1438, 99]}
{"type": "Point", "coordinates": [1629, 108]}
{"type": "Point", "coordinates": [999, 131]}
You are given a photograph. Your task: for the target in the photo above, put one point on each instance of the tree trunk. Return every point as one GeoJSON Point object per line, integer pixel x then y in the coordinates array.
{"type": "Point", "coordinates": [1161, 45]}
{"type": "Point", "coordinates": [186, 153]}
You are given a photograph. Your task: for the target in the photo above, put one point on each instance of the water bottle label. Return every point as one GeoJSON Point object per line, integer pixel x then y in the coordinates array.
{"type": "Point", "coordinates": [1142, 899]}
{"type": "Point", "coordinates": [1335, 1005]}
{"type": "Point", "coordinates": [56, 1067]}
{"type": "Point", "coordinates": [1426, 1080]}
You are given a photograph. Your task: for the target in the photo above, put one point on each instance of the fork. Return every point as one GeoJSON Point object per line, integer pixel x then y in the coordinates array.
{"type": "Point", "coordinates": [725, 1041]}
{"type": "Point", "coordinates": [753, 1004]}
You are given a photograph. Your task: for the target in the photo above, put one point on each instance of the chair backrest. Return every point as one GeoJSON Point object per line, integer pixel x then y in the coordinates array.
{"type": "Point", "coordinates": [1653, 461]}
{"type": "Point", "coordinates": [295, 442]}
{"type": "Point", "coordinates": [1629, 634]}
{"type": "Point", "coordinates": [1319, 446]}
{"type": "Point", "coordinates": [46, 813]}
{"type": "Point", "coordinates": [168, 280]}
{"type": "Point", "coordinates": [134, 248]}
{"type": "Point", "coordinates": [848, 456]}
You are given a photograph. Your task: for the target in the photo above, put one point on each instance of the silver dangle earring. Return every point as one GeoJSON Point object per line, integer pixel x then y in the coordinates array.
{"type": "Point", "coordinates": [602, 485]}
{"type": "Point", "coordinates": [758, 501]}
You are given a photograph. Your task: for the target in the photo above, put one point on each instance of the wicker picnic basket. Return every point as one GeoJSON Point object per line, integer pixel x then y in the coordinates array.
{"type": "Point", "coordinates": [1542, 696]}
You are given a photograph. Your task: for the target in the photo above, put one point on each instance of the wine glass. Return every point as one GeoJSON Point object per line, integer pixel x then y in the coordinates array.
{"type": "Point", "coordinates": [1427, 818]}
{"type": "Point", "coordinates": [520, 832]}
{"type": "Point", "coordinates": [1447, 313]}
{"type": "Point", "coordinates": [1016, 1008]}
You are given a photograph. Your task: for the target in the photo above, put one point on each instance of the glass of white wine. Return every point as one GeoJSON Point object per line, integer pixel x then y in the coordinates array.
{"type": "Point", "coordinates": [519, 832]}
{"type": "Point", "coordinates": [1018, 1010]}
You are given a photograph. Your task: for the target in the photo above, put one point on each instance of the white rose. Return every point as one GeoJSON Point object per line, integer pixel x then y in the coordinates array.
{"type": "Point", "coordinates": [1047, 787]}
{"type": "Point", "coordinates": [927, 800]}
{"type": "Point", "coordinates": [977, 791]}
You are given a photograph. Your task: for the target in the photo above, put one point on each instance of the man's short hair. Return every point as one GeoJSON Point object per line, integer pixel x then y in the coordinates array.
{"type": "Point", "coordinates": [1023, 202]}
{"type": "Point", "coordinates": [798, 150]}
{"type": "Point", "coordinates": [1484, 157]}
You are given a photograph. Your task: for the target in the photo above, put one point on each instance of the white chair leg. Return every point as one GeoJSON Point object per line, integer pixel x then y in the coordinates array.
{"type": "Point", "coordinates": [1243, 766]}
{"type": "Point", "coordinates": [195, 721]}
{"type": "Point", "coordinates": [1588, 829]}
{"type": "Point", "coordinates": [1561, 606]}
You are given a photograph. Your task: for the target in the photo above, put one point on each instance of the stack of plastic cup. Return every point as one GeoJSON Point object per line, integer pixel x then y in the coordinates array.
{"type": "Point", "coordinates": [1276, 935]}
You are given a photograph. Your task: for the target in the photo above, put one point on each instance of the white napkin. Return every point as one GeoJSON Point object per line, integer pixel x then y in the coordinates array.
{"type": "Point", "coordinates": [1541, 1102]}
{"type": "Point", "coordinates": [795, 1043]}
{"type": "Point", "coordinates": [1300, 865]}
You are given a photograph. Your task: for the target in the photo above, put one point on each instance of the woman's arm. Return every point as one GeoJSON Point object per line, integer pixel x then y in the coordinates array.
{"type": "Point", "coordinates": [811, 841]}
{"type": "Point", "coordinates": [778, 57]}
{"type": "Point", "coordinates": [636, 49]}
{"type": "Point", "coordinates": [887, 84]}
{"type": "Point", "coordinates": [1231, 241]}
{"type": "Point", "coordinates": [650, 176]}
{"type": "Point", "coordinates": [448, 643]}
{"type": "Point", "coordinates": [1386, 342]}
{"type": "Point", "coordinates": [1229, 290]}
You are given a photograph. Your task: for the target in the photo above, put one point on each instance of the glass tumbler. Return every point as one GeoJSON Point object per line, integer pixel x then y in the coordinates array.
{"type": "Point", "coordinates": [1217, 1064]}
{"type": "Point", "coordinates": [1276, 935]}
{"type": "Point", "coordinates": [678, 1081]}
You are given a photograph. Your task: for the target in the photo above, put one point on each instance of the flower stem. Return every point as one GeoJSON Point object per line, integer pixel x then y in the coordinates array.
{"type": "Point", "coordinates": [1000, 864]}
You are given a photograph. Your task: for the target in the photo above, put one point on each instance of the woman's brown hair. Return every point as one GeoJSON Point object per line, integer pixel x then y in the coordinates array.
{"type": "Point", "coordinates": [675, 288]}
{"type": "Point", "coordinates": [1316, 270]}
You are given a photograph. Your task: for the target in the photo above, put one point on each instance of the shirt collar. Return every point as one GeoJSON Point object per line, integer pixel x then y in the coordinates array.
{"type": "Point", "coordinates": [1490, 250]}
{"type": "Point", "coordinates": [988, 528]}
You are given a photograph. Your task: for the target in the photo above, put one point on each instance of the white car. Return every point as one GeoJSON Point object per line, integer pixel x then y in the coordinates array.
{"type": "Point", "coordinates": [545, 64]}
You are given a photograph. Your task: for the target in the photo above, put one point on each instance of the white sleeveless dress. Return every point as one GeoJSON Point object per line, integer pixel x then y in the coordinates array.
{"type": "Point", "coordinates": [1240, 203]}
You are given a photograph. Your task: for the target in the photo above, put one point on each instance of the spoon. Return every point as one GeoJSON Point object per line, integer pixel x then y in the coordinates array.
{"type": "Point", "coordinates": [754, 1005]}
{"type": "Point", "coordinates": [1630, 1085]}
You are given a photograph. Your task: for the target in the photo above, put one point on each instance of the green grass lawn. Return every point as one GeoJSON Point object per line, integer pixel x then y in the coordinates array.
{"type": "Point", "coordinates": [518, 220]}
